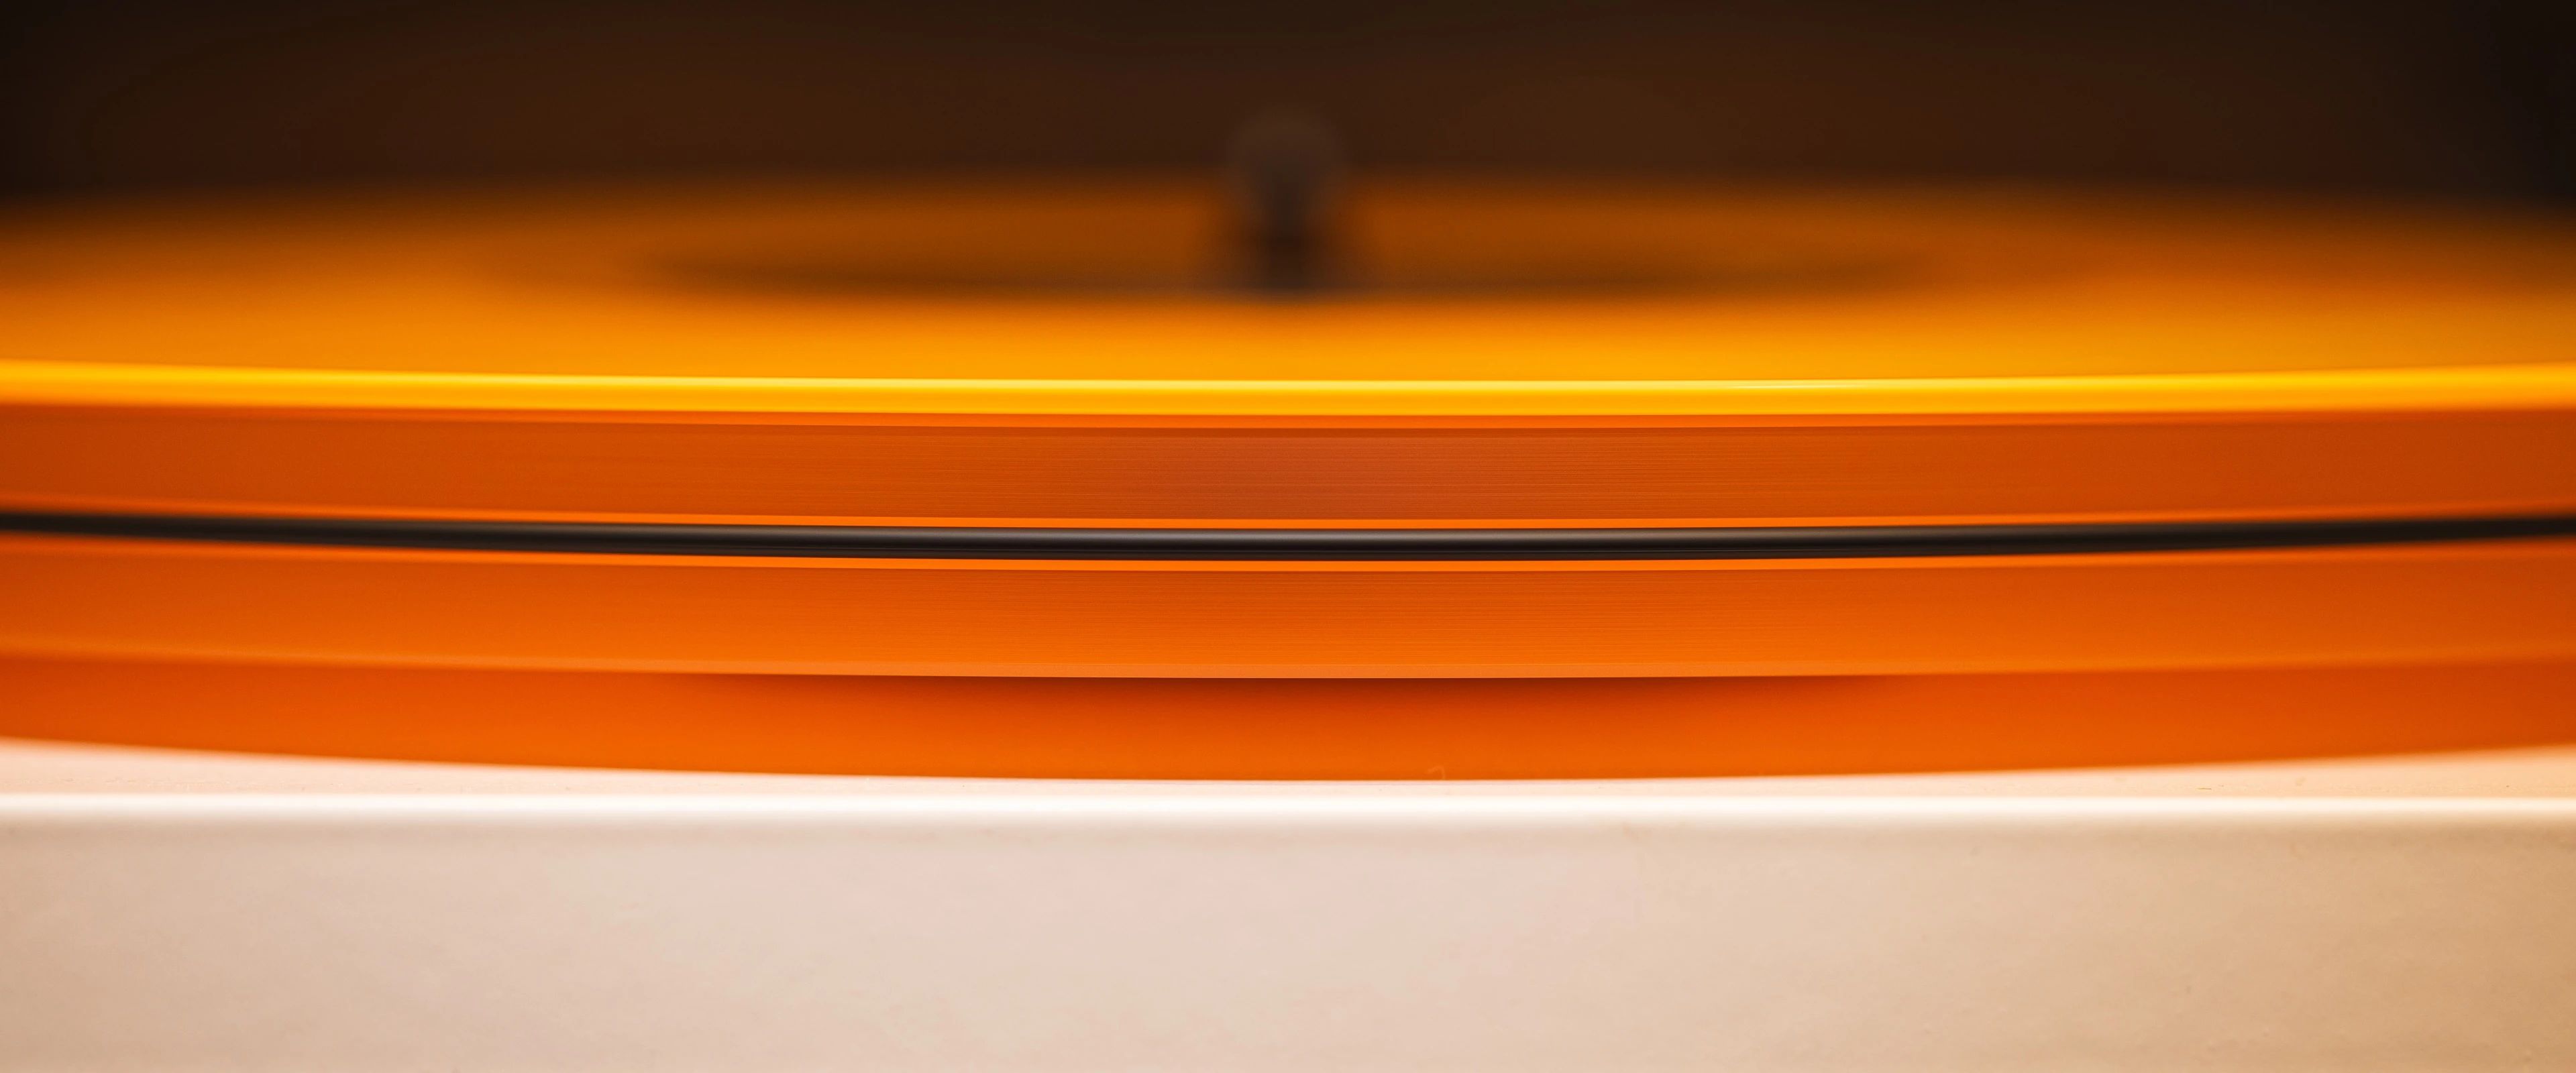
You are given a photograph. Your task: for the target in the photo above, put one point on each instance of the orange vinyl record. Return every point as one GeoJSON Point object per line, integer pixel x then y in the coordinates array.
{"type": "Point", "coordinates": [1083, 430]}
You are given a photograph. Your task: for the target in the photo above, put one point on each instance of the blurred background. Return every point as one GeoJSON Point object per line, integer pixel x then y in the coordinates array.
{"type": "Point", "coordinates": [2441, 99]}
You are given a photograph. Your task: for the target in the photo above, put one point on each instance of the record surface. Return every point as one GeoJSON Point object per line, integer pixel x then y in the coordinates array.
{"type": "Point", "coordinates": [1514, 431]}
{"type": "Point", "coordinates": [1109, 298]}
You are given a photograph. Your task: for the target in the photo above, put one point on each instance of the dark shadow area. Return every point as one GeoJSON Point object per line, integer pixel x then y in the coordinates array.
{"type": "Point", "coordinates": [2454, 99]}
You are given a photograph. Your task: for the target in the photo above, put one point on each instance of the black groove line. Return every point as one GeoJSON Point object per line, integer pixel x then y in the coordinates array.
{"type": "Point", "coordinates": [1497, 545]}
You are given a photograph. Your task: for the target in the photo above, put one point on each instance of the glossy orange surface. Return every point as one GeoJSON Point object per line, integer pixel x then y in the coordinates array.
{"type": "Point", "coordinates": [1107, 298]}
{"type": "Point", "coordinates": [1518, 357]}
{"type": "Point", "coordinates": [1365, 729]}
{"type": "Point", "coordinates": [846, 469]}
{"type": "Point", "coordinates": [2470, 600]}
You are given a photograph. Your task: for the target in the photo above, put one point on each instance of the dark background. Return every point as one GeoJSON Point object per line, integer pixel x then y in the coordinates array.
{"type": "Point", "coordinates": [2459, 99]}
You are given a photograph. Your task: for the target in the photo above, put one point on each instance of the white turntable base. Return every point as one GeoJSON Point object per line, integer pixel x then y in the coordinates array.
{"type": "Point", "coordinates": [176, 911]}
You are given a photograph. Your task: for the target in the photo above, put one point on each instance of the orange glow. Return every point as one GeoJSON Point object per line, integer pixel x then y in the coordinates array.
{"type": "Point", "coordinates": [2473, 600]}
{"type": "Point", "coordinates": [1498, 357]}
{"type": "Point", "coordinates": [1142, 728]}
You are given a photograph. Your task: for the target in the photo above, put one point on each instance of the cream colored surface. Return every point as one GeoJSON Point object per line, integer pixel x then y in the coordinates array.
{"type": "Point", "coordinates": [185, 911]}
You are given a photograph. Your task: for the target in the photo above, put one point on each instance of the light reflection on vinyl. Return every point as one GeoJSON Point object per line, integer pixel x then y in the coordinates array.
{"type": "Point", "coordinates": [1998, 451]}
